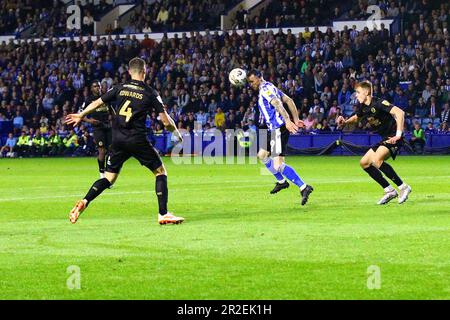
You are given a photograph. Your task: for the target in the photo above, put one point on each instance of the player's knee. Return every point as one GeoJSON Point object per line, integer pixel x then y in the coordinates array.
{"type": "Point", "coordinates": [377, 162]}
{"type": "Point", "coordinates": [112, 177]}
{"type": "Point", "coordinates": [262, 155]}
{"type": "Point", "coordinates": [161, 171]}
{"type": "Point", "coordinates": [364, 163]}
{"type": "Point", "coordinates": [279, 166]}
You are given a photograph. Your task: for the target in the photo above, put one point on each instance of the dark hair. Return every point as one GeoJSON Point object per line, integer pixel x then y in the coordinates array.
{"type": "Point", "coordinates": [136, 65]}
{"type": "Point", "coordinates": [254, 72]}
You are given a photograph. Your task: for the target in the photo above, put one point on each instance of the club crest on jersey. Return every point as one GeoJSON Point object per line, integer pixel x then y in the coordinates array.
{"type": "Point", "coordinates": [373, 122]}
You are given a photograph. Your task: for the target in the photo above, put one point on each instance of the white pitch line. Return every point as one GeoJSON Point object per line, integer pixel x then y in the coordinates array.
{"type": "Point", "coordinates": [220, 186]}
{"type": "Point", "coordinates": [112, 193]}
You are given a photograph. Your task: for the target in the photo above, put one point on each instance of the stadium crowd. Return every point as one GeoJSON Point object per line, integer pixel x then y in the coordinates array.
{"type": "Point", "coordinates": [42, 81]}
{"type": "Point", "coordinates": [177, 15]}
{"type": "Point", "coordinates": [322, 12]}
{"type": "Point", "coordinates": [44, 18]}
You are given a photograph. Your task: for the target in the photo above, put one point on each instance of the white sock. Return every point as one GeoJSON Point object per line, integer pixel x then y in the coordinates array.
{"type": "Point", "coordinates": [402, 186]}
{"type": "Point", "coordinates": [388, 188]}
{"type": "Point", "coordinates": [303, 187]}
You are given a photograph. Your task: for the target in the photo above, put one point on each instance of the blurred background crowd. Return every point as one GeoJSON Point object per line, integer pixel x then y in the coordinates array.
{"type": "Point", "coordinates": [41, 81]}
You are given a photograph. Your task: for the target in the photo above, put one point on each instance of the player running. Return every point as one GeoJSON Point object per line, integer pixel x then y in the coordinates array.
{"type": "Point", "coordinates": [270, 102]}
{"type": "Point", "coordinates": [134, 100]}
{"type": "Point", "coordinates": [99, 119]}
{"type": "Point", "coordinates": [381, 117]}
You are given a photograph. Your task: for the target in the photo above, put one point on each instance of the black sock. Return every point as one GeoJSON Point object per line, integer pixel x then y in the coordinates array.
{"type": "Point", "coordinates": [390, 173]}
{"type": "Point", "coordinates": [376, 175]}
{"type": "Point", "coordinates": [97, 188]}
{"type": "Point", "coordinates": [101, 165]}
{"type": "Point", "coordinates": [162, 193]}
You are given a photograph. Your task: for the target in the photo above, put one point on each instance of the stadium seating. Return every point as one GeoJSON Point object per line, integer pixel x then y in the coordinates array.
{"type": "Point", "coordinates": [43, 77]}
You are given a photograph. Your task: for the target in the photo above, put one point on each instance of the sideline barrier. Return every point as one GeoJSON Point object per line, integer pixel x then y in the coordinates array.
{"type": "Point", "coordinates": [332, 144]}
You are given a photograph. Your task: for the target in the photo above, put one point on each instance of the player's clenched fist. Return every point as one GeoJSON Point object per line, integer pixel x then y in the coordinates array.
{"type": "Point", "coordinates": [340, 121]}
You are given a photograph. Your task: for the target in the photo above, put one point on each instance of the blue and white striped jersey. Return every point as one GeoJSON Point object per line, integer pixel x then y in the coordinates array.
{"type": "Point", "coordinates": [267, 92]}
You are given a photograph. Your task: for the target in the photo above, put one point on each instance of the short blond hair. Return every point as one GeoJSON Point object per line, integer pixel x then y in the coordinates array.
{"type": "Point", "coordinates": [367, 85]}
{"type": "Point", "coordinates": [136, 65]}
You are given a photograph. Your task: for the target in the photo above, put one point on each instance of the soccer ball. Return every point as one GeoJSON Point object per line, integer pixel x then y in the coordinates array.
{"type": "Point", "coordinates": [237, 77]}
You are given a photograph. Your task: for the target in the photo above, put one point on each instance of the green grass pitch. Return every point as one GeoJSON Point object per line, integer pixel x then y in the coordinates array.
{"type": "Point", "coordinates": [238, 241]}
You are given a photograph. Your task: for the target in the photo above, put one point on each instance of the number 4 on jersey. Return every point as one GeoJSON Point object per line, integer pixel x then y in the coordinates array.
{"type": "Point", "coordinates": [126, 111]}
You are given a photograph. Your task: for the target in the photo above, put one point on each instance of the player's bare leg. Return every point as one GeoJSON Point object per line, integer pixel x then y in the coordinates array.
{"type": "Point", "coordinates": [380, 156]}
{"type": "Point", "coordinates": [368, 163]}
{"type": "Point", "coordinates": [164, 217]}
{"type": "Point", "coordinates": [97, 188]}
{"type": "Point", "coordinates": [264, 157]}
{"type": "Point", "coordinates": [289, 173]}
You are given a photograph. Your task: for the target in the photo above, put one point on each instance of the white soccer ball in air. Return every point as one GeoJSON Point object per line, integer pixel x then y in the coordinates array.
{"type": "Point", "coordinates": [237, 77]}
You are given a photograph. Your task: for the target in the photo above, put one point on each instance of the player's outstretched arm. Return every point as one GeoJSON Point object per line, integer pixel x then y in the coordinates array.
{"type": "Point", "coordinates": [91, 121]}
{"type": "Point", "coordinates": [341, 122]}
{"type": "Point", "coordinates": [278, 105]}
{"type": "Point", "coordinates": [76, 118]}
{"type": "Point", "coordinates": [293, 108]}
{"type": "Point", "coordinates": [399, 116]}
{"type": "Point", "coordinates": [169, 124]}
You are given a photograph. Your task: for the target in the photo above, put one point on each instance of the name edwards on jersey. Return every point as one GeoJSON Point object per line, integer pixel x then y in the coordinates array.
{"type": "Point", "coordinates": [131, 94]}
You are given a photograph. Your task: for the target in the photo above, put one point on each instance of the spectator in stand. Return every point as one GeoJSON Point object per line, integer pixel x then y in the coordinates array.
{"type": "Point", "coordinates": [344, 95]}
{"type": "Point", "coordinates": [309, 122]}
{"type": "Point", "coordinates": [430, 129]}
{"type": "Point", "coordinates": [400, 100]}
{"type": "Point", "coordinates": [418, 139]}
{"type": "Point", "coordinates": [38, 144]}
{"type": "Point", "coordinates": [445, 114]}
{"type": "Point", "coordinates": [54, 144]}
{"type": "Point", "coordinates": [86, 145]}
{"type": "Point", "coordinates": [7, 149]}
{"type": "Point", "coordinates": [18, 121]}
{"type": "Point", "coordinates": [23, 145]}
{"type": "Point", "coordinates": [219, 119]}
{"type": "Point", "coordinates": [421, 108]}
{"type": "Point", "coordinates": [433, 109]}
{"type": "Point", "coordinates": [88, 23]}
{"type": "Point", "coordinates": [444, 128]}
{"type": "Point", "coordinates": [201, 117]}
{"type": "Point", "coordinates": [163, 17]}
{"type": "Point", "coordinates": [70, 143]}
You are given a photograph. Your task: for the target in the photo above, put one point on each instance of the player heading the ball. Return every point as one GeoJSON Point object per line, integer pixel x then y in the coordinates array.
{"type": "Point", "coordinates": [279, 125]}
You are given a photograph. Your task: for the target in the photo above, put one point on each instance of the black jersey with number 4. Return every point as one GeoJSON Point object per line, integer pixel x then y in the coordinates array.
{"type": "Point", "coordinates": [376, 117]}
{"type": "Point", "coordinates": [100, 114]}
{"type": "Point", "coordinates": [134, 100]}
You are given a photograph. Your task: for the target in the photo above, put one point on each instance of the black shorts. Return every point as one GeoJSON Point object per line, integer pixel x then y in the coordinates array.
{"type": "Point", "coordinates": [393, 148]}
{"type": "Point", "coordinates": [277, 141]}
{"type": "Point", "coordinates": [103, 137]}
{"type": "Point", "coordinates": [141, 149]}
